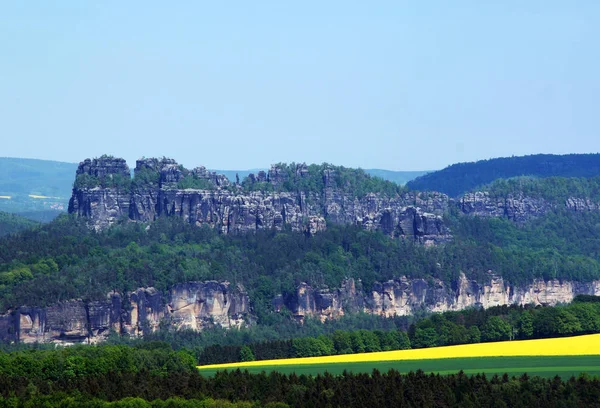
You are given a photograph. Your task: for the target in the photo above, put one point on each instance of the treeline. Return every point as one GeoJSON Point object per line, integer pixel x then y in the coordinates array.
{"type": "Point", "coordinates": [459, 178]}
{"type": "Point", "coordinates": [110, 376]}
{"type": "Point", "coordinates": [66, 260]}
{"type": "Point", "coordinates": [340, 342]}
{"type": "Point", "coordinates": [444, 329]}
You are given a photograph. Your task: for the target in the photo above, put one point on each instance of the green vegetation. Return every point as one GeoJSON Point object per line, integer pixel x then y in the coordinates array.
{"type": "Point", "coordinates": [546, 366]}
{"type": "Point", "coordinates": [153, 375]}
{"type": "Point", "coordinates": [10, 223]}
{"type": "Point", "coordinates": [445, 329]}
{"type": "Point", "coordinates": [145, 177]}
{"type": "Point", "coordinates": [354, 181]}
{"type": "Point", "coordinates": [191, 181]}
{"type": "Point", "coordinates": [462, 177]}
{"type": "Point", "coordinates": [562, 245]}
{"type": "Point", "coordinates": [111, 181]}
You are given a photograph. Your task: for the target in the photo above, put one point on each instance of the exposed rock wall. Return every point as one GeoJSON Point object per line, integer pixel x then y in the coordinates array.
{"type": "Point", "coordinates": [518, 208]}
{"type": "Point", "coordinates": [403, 297]}
{"type": "Point", "coordinates": [191, 305]}
{"type": "Point", "coordinates": [233, 209]}
{"type": "Point", "coordinates": [197, 305]}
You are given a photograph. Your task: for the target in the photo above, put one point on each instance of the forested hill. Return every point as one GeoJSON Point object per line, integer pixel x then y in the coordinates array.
{"type": "Point", "coordinates": [10, 223]}
{"type": "Point", "coordinates": [462, 177]}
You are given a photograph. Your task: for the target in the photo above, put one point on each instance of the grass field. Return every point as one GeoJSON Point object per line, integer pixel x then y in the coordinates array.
{"type": "Point", "coordinates": [546, 357]}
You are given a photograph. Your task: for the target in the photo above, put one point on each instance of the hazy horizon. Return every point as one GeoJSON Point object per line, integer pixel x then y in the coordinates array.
{"type": "Point", "coordinates": [396, 86]}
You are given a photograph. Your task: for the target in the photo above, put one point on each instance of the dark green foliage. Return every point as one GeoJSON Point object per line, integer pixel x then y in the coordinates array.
{"type": "Point", "coordinates": [563, 245]}
{"type": "Point", "coordinates": [145, 177]}
{"type": "Point", "coordinates": [355, 182]}
{"type": "Point", "coordinates": [586, 299]}
{"type": "Point", "coordinates": [191, 181]}
{"type": "Point", "coordinates": [111, 376]}
{"type": "Point", "coordinates": [10, 223]}
{"type": "Point", "coordinates": [246, 354]}
{"type": "Point", "coordinates": [462, 177]}
{"type": "Point", "coordinates": [118, 181]}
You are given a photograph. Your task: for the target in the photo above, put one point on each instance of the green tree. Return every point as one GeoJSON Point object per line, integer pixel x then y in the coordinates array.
{"type": "Point", "coordinates": [246, 354]}
{"type": "Point", "coordinates": [496, 329]}
{"type": "Point", "coordinates": [426, 337]}
{"type": "Point", "coordinates": [526, 325]}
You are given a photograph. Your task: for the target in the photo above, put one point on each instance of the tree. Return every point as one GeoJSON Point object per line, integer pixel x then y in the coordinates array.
{"type": "Point", "coordinates": [427, 337]}
{"type": "Point", "coordinates": [246, 354]}
{"type": "Point", "coordinates": [525, 325]}
{"type": "Point", "coordinates": [567, 323]}
{"type": "Point", "coordinates": [496, 329]}
{"type": "Point", "coordinates": [474, 334]}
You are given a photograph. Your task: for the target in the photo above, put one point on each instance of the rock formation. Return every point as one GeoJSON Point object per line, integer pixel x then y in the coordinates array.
{"type": "Point", "coordinates": [518, 208]}
{"type": "Point", "coordinates": [162, 188]}
{"type": "Point", "coordinates": [197, 305]}
{"type": "Point", "coordinates": [191, 305]}
{"type": "Point", "coordinates": [403, 297]}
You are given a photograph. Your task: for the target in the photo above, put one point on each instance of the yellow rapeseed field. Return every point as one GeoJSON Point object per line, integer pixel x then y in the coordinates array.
{"type": "Point", "coordinates": [565, 346]}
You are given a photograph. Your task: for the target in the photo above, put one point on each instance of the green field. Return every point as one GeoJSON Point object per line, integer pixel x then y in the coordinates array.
{"type": "Point", "coordinates": [547, 366]}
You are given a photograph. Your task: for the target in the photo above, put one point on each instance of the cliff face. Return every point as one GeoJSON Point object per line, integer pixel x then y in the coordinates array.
{"type": "Point", "coordinates": [518, 208]}
{"type": "Point", "coordinates": [157, 190]}
{"type": "Point", "coordinates": [191, 305]}
{"type": "Point", "coordinates": [198, 305]}
{"type": "Point", "coordinates": [403, 297]}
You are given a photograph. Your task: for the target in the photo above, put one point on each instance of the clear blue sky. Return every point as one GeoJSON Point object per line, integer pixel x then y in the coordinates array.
{"type": "Point", "coordinates": [404, 85]}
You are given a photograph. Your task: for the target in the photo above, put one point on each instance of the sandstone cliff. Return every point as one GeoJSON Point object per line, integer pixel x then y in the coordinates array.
{"type": "Point", "coordinates": [163, 188]}
{"type": "Point", "coordinates": [197, 305]}
{"type": "Point", "coordinates": [519, 208]}
{"type": "Point", "coordinates": [191, 305]}
{"type": "Point", "coordinates": [403, 297]}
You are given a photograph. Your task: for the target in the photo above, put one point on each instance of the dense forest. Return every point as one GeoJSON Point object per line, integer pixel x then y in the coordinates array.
{"type": "Point", "coordinates": [65, 260]}
{"type": "Point", "coordinates": [10, 223]}
{"type": "Point", "coordinates": [459, 178]}
{"type": "Point", "coordinates": [153, 375]}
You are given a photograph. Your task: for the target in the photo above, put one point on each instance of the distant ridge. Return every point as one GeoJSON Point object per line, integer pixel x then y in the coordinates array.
{"type": "Point", "coordinates": [462, 177]}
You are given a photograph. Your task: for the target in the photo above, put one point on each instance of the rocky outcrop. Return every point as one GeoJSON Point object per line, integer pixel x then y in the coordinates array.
{"type": "Point", "coordinates": [198, 305]}
{"type": "Point", "coordinates": [403, 297]}
{"type": "Point", "coordinates": [191, 305]}
{"type": "Point", "coordinates": [96, 194]}
{"type": "Point", "coordinates": [158, 190]}
{"type": "Point", "coordinates": [518, 208]}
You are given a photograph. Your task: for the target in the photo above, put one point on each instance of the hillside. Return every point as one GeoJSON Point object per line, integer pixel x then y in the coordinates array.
{"type": "Point", "coordinates": [459, 178]}
{"type": "Point", "coordinates": [30, 185]}
{"type": "Point", "coordinates": [10, 223]}
{"type": "Point", "coordinates": [189, 249]}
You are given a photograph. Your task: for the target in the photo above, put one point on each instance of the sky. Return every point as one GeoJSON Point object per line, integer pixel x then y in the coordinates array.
{"type": "Point", "coordinates": [400, 85]}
